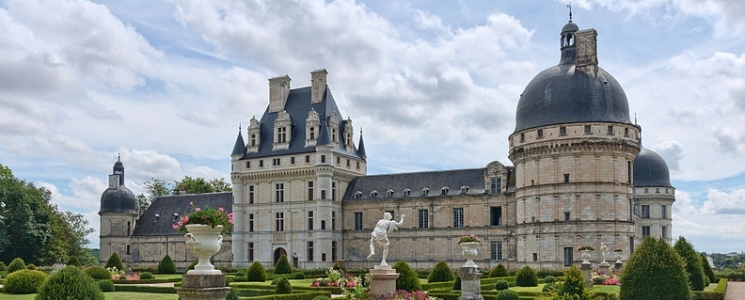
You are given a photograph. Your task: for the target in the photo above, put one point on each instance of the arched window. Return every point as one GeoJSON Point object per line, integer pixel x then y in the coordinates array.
{"type": "Point", "coordinates": [389, 193]}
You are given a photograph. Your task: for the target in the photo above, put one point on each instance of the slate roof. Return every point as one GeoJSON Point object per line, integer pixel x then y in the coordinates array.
{"type": "Point", "coordinates": [650, 170]}
{"type": "Point", "coordinates": [433, 180]}
{"type": "Point", "coordinates": [165, 207]}
{"type": "Point", "coordinates": [297, 107]}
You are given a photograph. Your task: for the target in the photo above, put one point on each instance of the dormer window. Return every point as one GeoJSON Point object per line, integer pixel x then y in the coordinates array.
{"type": "Point", "coordinates": [406, 192]}
{"type": "Point", "coordinates": [358, 195]}
{"type": "Point", "coordinates": [175, 217]}
{"type": "Point", "coordinates": [444, 190]}
{"type": "Point", "coordinates": [464, 189]}
{"type": "Point", "coordinates": [312, 133]}
{"type": "Point", "coordinates": [424, 192]}
{"type": "Point", "coordinates": [282, 134]}
{"type": "Point", "coordinates": [157, 217]}
{"type": "Point", "coordinates": [283, 131]}
{"type": "Point", "coordinates": [389, 193]}
{"type": "Point", "coordinates": [374, 194]}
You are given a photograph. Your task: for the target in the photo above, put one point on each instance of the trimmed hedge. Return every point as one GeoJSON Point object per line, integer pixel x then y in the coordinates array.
{"type": "Point", "coordinates": [499, 271]}
{"type": "Point", "coordinates": [526, 276]}
{"type": "Point", "coordinates": [106, 285]}
{"type": "Point", "coordinates": [69, 283]}
{"type": "Point", "coordinates": [24, 281]}
{"type": "Point", "coordinates": [146, 289]}
{"type": "Point", "coordinates": [146, 281]}
{"type": "Point", "coordinates": [282, 266]}
{"type": "Point", "coordinates": [508, 295]}
{"type": "Point", "coordinates": [114, 261]}
{"type": "Point", "coordinates": [256, 272]}
{"type": "Point", "coordinates": [146, 276]}
{"type": "Point", "coordinates": [441, 273]}
{"type": "Point", "coordinates": [74, 261]}
{"type": "Point", "coordinates": [408, 279]}
{"type": "Point", "coordinates": [97, 273]}
{"type": "Point", "coordinates": [283, 286]}
{"type": "Point", "coordinates": [501, 285]}
{"type": "Point", "coordinates": [166, 265]}
{"type": "Point", "coordinates": [16, 264]}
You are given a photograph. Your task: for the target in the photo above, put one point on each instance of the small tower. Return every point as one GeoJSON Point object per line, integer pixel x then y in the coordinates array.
{"type": "Point", "coordinates": [118, 213]}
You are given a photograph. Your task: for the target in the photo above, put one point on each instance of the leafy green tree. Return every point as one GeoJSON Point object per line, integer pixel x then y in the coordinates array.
{"type": "Point", "coordinates": [408, 279]}
{"type": "Point", "coordinates": [220, 185]}
{"type": "Point", "coordinates": [195, 185]}
{"type": "Point", "coordinates": [166, 266]}
{"type": "Point", "coordinates": [74, 261]}
{"type": "Point", "coordinates": [282, 266]}
{"type": "Point", "coordinates": [155, 188]}
{"type": "Point", "coordinates": [573, 286]}
{"type": "Point", "coordinates": [654, 271]}
{"type": "Point", "coordinates": [707, 268]}
{"type": "Point", "coordinates": [526, 276]}
{"type": "Point", "coordinates": [692, 263]}
{"type": "Point", "coordinates": [440, 273]}
{"type": "Point", "coordinates": [114, 261]}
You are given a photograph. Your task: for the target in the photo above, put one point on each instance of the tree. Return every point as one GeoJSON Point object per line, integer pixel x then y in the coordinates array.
{"type": "Point", "coordinates": [166, 266]}
{"type": "Point", "coordinates": [526, 276]}
{"type": "Point", "coordinates": [692, 263]}
{"type": "Point", "coordinates": [408, 279]}
{"type": "Point", "coordinates": [573, 286]}
{"type": "Point", "coordinates": [654, 271]}
{"type": "Point", "coordinates": [707, 268]}
{"type": "Point", "coordinates": [155, 188]}
{"type": "Point", "coordinates": [441, 272]}
{"type": "Point", "coordinates": [195, 185]}
{"type": "Point", "coordinates": [220, 185]}
{"type": "Point", "coordinates": [282, 266]}
{"type": "Point", "coordinates": [114, 261]}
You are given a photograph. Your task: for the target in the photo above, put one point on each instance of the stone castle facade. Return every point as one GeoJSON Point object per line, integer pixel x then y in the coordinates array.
{"type": "Point", "coordinates": [579, 176]}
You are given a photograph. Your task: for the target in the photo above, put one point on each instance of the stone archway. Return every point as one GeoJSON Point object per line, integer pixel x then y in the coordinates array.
{"type": "Point", "coordinates": [279, 252]}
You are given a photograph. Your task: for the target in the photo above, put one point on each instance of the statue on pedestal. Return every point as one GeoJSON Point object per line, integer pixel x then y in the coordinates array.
{"type": "Point", "coordinates": [380, 235]}
{"type": "Point", "coordinates": [603, 250]}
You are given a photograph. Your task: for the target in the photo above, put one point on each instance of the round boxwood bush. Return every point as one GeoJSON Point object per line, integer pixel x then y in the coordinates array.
{"type": "Point", "coordinates": [408, 279]}
{"type": "Point", "coordinates": [16, 264]}
{"type": "Point", "coordinates": [441, 273]}
{"type": "Point", "coordinates": [549, 279]}
{"type": "Point", "coordinates": [114, 261]}
{"type": "Point", "coordinates": [526, 276]}
{"type": "Point", "coordinates": [282, 266]}
{"type": "Point", "coordinates": [69, 283]}
{"type": "Point", "coordinates": [74, 261]}
{"type": "Point", "coordinates": [106, 285]}
{"type": "Point", "coordinates": [283, 286]}
{"type": "Point", "coordinates": [508, 295]}
{"type": "Point", "coordinates": [573, 286]}
{"type": "Point", "coordinates": [97, 272]}
{"type": "Point", "coordinates": [146, 275]}
{"type": "Point", "coordinates": [256, 272]}
{"type": "Point", "coordinates": [654, 271]}
{"type": "Point", "coordinates": [166, 266]}
{"type": "Point", "coordinates": [24, 281]}
{"type": "Point", "coordinates": [499, 271]}
{"type": "Point", "coordinates": [240, 273]}
{"type": "Point", "coordinates": [299, 275]}
{"type": "Point", "coordinates": [31, 267]}
{"type": "Point", "coordinates": [501, 285]}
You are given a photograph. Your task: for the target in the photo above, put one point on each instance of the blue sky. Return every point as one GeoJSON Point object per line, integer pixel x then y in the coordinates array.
{"type": "Point", "coordinates": [433, 85]}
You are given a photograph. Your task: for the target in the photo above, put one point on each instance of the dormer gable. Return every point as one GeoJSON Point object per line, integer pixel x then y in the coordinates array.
{"type": "Point", "coordinates": [282, 131]}
{"type": "Point", "coordinates": [254, 135]}
{"type": "Point", "coordinates": [312, 128]}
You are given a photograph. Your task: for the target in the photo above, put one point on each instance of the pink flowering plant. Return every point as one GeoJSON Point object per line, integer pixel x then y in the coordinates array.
{"type": "Point", "coordinates": [205, 216]}
{"type": "Point", "coordinates": [469, 239]}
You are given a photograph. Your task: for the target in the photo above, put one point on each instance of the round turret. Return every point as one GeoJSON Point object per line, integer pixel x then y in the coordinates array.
{"type": "Point", "coordinates": [118, 198]}
{"type": "Point", "coordinates": [650, 170]}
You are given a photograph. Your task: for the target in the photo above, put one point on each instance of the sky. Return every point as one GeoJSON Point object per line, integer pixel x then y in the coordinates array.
{"type": "Point", "coordinates": [433, 85]}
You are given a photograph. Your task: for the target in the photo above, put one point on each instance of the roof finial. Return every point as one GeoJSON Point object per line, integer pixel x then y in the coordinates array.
{"type": "Point", "coordinates": [239, 126]}
{"type": "Point", "coordinates": [361, 130]}
{"type": "Point", "coordinates": [570, 11]}
{"type": "Point", "coordinates": [635, 123]}
{"type": "Point", "coordinates": [119, 157]}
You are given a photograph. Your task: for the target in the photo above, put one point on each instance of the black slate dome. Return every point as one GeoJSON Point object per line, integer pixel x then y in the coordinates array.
{"type": "Point", "coordinates": [650, 170]}
{"type": "Point", "coordinates": [563, 94]}
{"type": "Point", "coordinates": [118, 198]}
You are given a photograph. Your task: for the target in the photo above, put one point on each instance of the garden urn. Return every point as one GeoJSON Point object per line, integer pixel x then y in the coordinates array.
{"type": "Point", "coordinates": [203, 241]}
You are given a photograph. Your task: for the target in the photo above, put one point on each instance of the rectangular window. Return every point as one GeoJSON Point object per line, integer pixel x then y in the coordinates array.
{"type": "Point", "coordinates": [333, 191]}
{"type": "Point", "coordinates": [610, 129]}
{"type": "Point", "coordinates": [645, 231]}
{"type": "Point", "coordinates": [496, 250]}
{"type": "Point", "coordinates": [358, 165]}
{"type": "Point", "coordinates": [323, 194]}
{"type": "Point", "coordinates": [248, 165]}
{"type": "Point", "coordinates": [292, 160]}
{"type": "Point", "coordinates": [540, 133]}
{"type": "Point", "coordinates": [128, 253]}
{"type": "Point", "coordinates": [323, 256]}
{"type": "Point", "coordinates": [568, 256]}
{"type": "Point", "coordinates": [323, 224]}
{"type": "Point", "coordinates": [307, 159]}
{"type": "Point", "coordinates": [358, 221]}
{"type": "Point", "coordinates": [566, 178]}
{"type": "Point", "coordinates": [279, 221]}
{"type": "Point", "coordinates": [323, 159]}
{"type": "Point", "coordinates": [562, 130]}
{"type": "Point", "coordinates": [312, 133]}
{"type": "Point", "coordinates": [251, 252]}
{"type": "Point", "coordinates": [250, 222]}
{"type": "Point", "coordinates": [282, 135]}
{"type": "Point", "coordinates": [253, 140]}
{"type": "Point", "coordinates": [535, 256]}
{"type": "Point", "coordinates": [588, 129]}
{"type": "Point", "coordinates": [333, 220]}
{"type": "Point", "coordinates": [338, 160]}
{"type": "Point", "coordinates": [250, 194]}
{"type": "Point", "coordinates": [496, 185]}
{"type": "Point", "coordinates": [310, 191]}
{"type": "Point", "coordinates": [626, 132]}
{"type": "Point", "coordinates": [664, 232]}
{"type": "Point", "coordinates": [310, 251]}
{"type": "Point", "coordinates": [567, 216]}
{"type": "Point", "coordinates": [279, 192]}
{"type": "Point", "coordinates": [663, 211]}
{"type": "Point", "coordinates": [522, 137]}
{"type": "Point", "coordinates": [275, 162]}
{"type": "Point", "coordinates": [495, 216]}
{"type": "Point", "coordinates": [423, 218]}
{"type": "Point", "coordinates": [348, 163]}
{"type": "Point", "coordinates": [310, 220]}
{"type": "Point", "coordinates": [261, 163]}
{"type": "Point", "coordinates": [645, 211]}
{"type": "Point", "coordinates": [333, 251]}
{"type": "Point", "coordinates": [458, 217]}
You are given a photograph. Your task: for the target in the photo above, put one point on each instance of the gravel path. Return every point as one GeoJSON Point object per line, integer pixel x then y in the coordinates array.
{"type": "Point", "coordinates": [735, 290]}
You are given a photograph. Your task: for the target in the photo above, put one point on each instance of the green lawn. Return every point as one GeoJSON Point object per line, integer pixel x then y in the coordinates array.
{"type": "Point", "coordinates": [109, 296]}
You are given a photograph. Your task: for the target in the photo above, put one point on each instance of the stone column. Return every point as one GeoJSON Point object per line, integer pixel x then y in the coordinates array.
{"type": "Point", "coordinates": [470, 285]}
{"type": "Point", "coordinates": [203, 287]}
{"type": "Point", "coordinates": [587, 274]}
{"type": "Point", "coordinates": [383, 280]}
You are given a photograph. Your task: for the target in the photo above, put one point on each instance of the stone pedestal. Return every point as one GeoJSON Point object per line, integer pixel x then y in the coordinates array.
{"type": "Point", "coordinates": [604, 268]}
{"type": "Point", "coordinates": [470, 285]}
{"type": "Point", "coordinates": [383, 280]}
{"type": "Point", "coordinates": [587, 274]}
{"type": "Point", "coordinates": [203, 287]}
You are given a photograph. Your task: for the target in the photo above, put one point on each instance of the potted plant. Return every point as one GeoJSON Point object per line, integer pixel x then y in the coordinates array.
{"type": "Point", "coordinates": [203, 227]}
{"type": "Point", "coordinates": [584, 252]}
{"type": "Point", "coordinates": [468, 243]}
{"type": "Point", "coordinates": [618, 252]}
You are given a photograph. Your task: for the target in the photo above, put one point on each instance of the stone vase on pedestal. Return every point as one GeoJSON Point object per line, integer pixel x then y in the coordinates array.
{"type": "Point", "coordinates": [203, 241]}
{"type": "Point", "coordinates": [470, 285]}
{"type": "Point", "coordinates": [585, 255]}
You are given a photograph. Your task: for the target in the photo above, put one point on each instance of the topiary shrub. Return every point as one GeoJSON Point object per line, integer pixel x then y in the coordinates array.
{"type": "Point", "coordinates": [692, 263]}
{"type": "Point", "coordinates": [526, 276]}
{"type": "Point", "coordinates": [573, 286]}
{"type": "Point", "coordinates": [508, 295]}
{"type": "Point", "coordinates": [549, 287]}
{"type": "Point", "coordinates": [321, 298]}
{"type": "Point", "coordinates": [24, 281]}
{"type": "Point", "coordinates": [501, 285]}
{"type": "Point", "coordinates": [97, 273]}
{"type": "Point", "coordinates": [256, 272]}
{"type": "Point", "coordinates": [166, 266]}
{"type": "Point", "coordinates": [299, 275]}
{"type": "Point", "coordinates": [549, 279]}
{"type": "Point", "coordinates": [3, 266]}
{"type": "Point", "coordinates": [499, 271]}
{"type": "Point", "coordinates": [16, 264]}
{"type": "Point", "coordinates": [457, 283]}
{"type": "Point", "coordinates": [233, 295]}
{"type": "Point", "coordinates": [106, 285]}
{"type": "Point", "coordinates": [408, 279]}
{"type": "Point", "coordinates": [708, 272]}
{"type": "Point", "coordinates": [240, 273]}
{"type": "Point", "coordinates": [114, 261]}
{"type": "Point", "coordinates": [283, 286]}
{"type": "Point", "coordinates": [31, 267]}
{"type": "Point", "coordinates": [441, 273]}
{"type": "Point", "coordinates": [283, 266]}
{"type": "Point", "coordinates": [654, 271]}
{"type": "Point", "coordinates": [69, 283]}
{"type": "Point", "coordinates": [146, 275]}
{"type": "Point", "coordinates": [74, 261]}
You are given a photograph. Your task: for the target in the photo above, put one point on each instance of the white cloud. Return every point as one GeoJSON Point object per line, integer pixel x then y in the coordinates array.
{"type": "Point", "coordinates": [721, 213]}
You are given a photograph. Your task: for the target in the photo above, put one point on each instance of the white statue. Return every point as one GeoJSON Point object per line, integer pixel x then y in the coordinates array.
{"type": "Point", "coordinates": [603, 250]}
{"type": "Point", "coordinates": [380, 235]}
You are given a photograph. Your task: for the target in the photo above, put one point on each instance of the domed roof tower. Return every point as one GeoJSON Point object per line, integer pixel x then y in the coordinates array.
{"type": "Point", "coordinates": [650, 170]}
{"type": "Point", "coordinates": [118, 198]}
{"type": "Point", "coordinates": [118, 213]}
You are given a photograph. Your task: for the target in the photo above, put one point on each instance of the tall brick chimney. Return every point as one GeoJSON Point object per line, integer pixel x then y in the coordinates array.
{"type": "Point", "coordinates": [318, 85]}
{"type": "Point", "coordinates": [279, 89]}
{"type": "Point", "coordinates": [587, 52]}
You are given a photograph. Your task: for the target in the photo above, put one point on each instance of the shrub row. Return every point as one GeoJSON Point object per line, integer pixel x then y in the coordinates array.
{"type": "Point", "coordinates": [146, 289]}
{"type": "Point", "coordinates": [146, 281]}
{"type": "Point", "coordinates": [717, 294]}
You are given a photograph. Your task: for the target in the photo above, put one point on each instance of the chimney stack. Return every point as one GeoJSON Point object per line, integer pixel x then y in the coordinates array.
{"type": "Point", "coordinates": [318, 85]}
{"type": "Point", "coordinates": [279, 89]}
{"type": "Point", "coordinates": [587, 55]}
